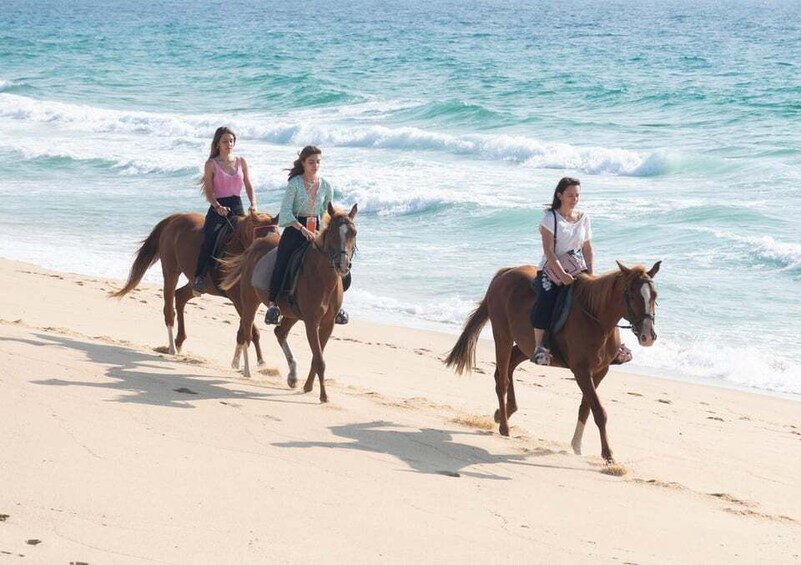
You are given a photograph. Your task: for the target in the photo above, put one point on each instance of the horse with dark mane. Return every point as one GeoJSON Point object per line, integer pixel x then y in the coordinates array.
{"type": "Point", "coordinates": [318, 294]}
{"type": "Point", "coordinates": [587, 344]}
{"type": "Point", "coordinates": [176, 241]}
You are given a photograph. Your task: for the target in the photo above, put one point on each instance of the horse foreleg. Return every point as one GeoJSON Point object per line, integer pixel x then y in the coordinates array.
{"type": "Point", "coordinates": [281, 333]}
{"type": "Point", "coordinates": [182, 296]}
{"type": "Point", "coordinates": [590, 395]}
{"type": "Point", "coordinates": [317, 363]}
{"type": "Point", "coordinates": [583, 413]}
{"type": "Point", "coordinates": [503, 353]}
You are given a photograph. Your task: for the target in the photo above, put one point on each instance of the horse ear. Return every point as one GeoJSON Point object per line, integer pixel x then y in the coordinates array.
{"type": "Point", "coordinates": [352, 213]}
{"type": "Point", "coordinates": [622, 267]}
{"type": "Point", "coordinates": [274, 221]}
{"type": "Point", "coordinates": [331, 210]}
{"type": "Point", "coordinates": [655, 269]}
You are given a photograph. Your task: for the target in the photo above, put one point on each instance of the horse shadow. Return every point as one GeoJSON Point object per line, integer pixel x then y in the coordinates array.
{"type": "Point", "coordinates": [425, 450]}
{"type": "Point", "coordinates": [147, 378]}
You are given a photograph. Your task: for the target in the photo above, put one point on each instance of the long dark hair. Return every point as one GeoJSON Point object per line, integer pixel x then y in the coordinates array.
{"type": "Point", "coordinates": [563, 184]}
{"type": "Point", "coordinates": [215, 143]}
{"type": "Point", "coordinates": [297, 166]}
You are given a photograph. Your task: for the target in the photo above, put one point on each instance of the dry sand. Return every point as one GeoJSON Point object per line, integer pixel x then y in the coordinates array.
{"type": "Point", "coordinates": [111, 452]}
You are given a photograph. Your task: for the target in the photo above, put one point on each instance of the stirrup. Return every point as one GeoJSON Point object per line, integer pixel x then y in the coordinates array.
{"type": "Point", "coordinates": [541, 356]}
{"type": "Point", "coordinates": [273, 315]}
{"type": "Point", "coordinates": [342, 317]}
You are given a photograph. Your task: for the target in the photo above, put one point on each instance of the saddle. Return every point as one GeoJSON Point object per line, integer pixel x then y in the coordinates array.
{"type": "Point", "coordinates": [263, 272]}
{"type": "Point", "coordinates": [560, 312]}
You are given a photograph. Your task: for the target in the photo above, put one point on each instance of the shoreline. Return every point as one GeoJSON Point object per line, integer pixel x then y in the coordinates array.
{"type": "Point", "coordinates": [414, 324]}
{"type": "Point", "coordinates": [108, 441]}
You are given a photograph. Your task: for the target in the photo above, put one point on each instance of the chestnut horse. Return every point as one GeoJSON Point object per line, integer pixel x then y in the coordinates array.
{"type": "Point", "coordinates": [176, 240]}
{"type": "Point", "coordinates": [587, 343]}
{"type": "Point", "coordinates": [318, 293]}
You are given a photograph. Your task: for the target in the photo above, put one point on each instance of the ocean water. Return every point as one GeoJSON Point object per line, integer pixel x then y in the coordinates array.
{"type": "Point", "coordinates": [449, 123]}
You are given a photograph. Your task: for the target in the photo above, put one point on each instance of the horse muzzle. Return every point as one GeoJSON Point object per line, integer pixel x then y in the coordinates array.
{"type": "Point", "coordinates": [646, 335]}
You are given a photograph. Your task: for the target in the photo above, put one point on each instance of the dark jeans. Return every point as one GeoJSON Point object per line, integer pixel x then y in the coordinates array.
{"type": "Point", "coordinates": [214, 222]}
{"type": "Point", "coordinates": [291, 239]}
{"type": "Point", "coordinates": [546, 300]}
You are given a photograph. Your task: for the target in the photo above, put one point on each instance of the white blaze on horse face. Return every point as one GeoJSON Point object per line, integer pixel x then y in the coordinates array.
{"type": "Point", "coordinates": [343, 241]}
{"type": "Point", "coordinates": [646, 333]}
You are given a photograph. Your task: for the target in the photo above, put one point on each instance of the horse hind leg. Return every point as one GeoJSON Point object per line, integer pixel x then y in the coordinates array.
{"type": "Point", "coordinates": [182, 296]}
{"type": "Point", "coordinates": [170, 282]}
{"type": "Point", "coordinates": [503, 353]}
{"type": "Point", "coordinates": [257, 346]}
{"type": "Point", "coordinates": [511, 401]}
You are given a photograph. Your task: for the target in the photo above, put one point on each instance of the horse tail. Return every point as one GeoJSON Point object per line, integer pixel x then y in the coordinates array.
{"type": "Point", "coordinates": [146, 257]}
{"type": "Point", "coordinates": [463, 355]}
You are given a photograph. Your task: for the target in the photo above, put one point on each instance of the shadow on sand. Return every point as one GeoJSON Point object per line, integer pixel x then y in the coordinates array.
{"type": "Point", "coordinates": [426, 450]}
{"type": "Point", "coordinates": [146, 378]}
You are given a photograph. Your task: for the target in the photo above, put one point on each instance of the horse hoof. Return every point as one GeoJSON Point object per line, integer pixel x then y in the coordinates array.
{"type": "Point", "coordinates": [292, 381]}
{"type": "Point", "coordinates": [261, 363]}
{"type": "Point", "coordinates": [577, 450]}
{"type": "Point", "coordinates": [497, 416]}
{"type": "Point", "coordinates": [504, 431]}
{"type": "Point", "coordinates": [323, 399]}
{"type": "Point", "coordinates": [173, 351]}
{"type": "Point", "coordinates": [308, 388]}
{"type": "Point", "coordinates": [235, 365]}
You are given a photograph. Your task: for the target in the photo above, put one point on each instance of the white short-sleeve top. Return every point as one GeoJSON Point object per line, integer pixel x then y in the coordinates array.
{"type": "Point", "coordinates": [570, 236]}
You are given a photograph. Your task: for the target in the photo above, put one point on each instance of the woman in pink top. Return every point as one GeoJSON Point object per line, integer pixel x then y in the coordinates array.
{"type": "Point", "coordinates": [223, 178]}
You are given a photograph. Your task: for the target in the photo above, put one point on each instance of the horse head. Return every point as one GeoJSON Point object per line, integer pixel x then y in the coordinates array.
{"type": "Point", "coordinates": [339, 239]}
{"type": "Point", "coordinates": [639, 296]}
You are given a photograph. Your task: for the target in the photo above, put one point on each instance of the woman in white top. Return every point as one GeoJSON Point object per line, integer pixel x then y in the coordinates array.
{"type": "Point", "coordinates": [573, 233]}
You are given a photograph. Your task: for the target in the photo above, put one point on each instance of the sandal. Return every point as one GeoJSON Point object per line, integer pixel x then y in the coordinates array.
{"type": "Point", "coordinates": [623, 355]}
{"type": "Point", "coordinates": [342, 318]}
{"type": "Point", "coordinates": [541, 356]}
{"type": "Point", "coordinates": [273, 315]}
{"type": "Point", "coordinates": [199, 285]}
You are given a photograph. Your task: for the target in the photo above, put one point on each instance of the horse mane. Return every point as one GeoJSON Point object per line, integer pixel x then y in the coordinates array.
{"type": "Point", "coordinates": [320, 240]}
{"type": "Point", "coordinates": [247, 225]}
{"type": "Point", "coordinates": [596, 291]}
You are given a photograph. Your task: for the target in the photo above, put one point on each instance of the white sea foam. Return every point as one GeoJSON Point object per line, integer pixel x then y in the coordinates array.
{"type": "Point", "coordinates": [513, 148]}
{"type": "Point", "coordinates": [720, 363]}
{"type": "Point", "coordinates": [765, 247]}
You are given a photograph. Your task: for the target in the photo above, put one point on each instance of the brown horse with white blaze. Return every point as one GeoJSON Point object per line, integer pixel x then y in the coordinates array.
{"type": "Point", "coordinates": [176, 241]}
{"type": "Point", "coordinates": [318, 293]}
{"type": "Point", "coordinates": [587, 343]}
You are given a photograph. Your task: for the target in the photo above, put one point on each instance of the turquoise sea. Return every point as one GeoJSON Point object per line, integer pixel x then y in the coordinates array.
{"type": "Point", "coordinates": [450, 124]}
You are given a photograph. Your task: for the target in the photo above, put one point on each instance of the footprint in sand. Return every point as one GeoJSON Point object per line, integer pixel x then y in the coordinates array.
{"type": "Point", "coordinates": [33, 541]}
{"type": "Point", "coordinates": [664, 401]}
{"type": "Point", "coordinates": [718, 418]}
{"type": "Point", "coordinates": [4, 517]}
{"type": "Point", "coordinates": [634, 394]}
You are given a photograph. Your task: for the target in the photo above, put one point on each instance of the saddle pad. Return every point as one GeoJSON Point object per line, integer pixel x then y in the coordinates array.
{"type": "Point", "coordinates": [263, 271]}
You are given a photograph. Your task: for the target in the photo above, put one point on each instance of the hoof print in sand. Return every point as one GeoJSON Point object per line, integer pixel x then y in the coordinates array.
{"type": "Point", "coordinates": [33, 541]}
{"type": "Point", "coordinates": [449, 474]}
{"type": "Point", "coordinates": [184, 390]}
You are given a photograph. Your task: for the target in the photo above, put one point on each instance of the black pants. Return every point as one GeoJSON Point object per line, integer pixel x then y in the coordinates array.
{"type": "Point", "coordinates": [546, 300]}
{"type": "Point", "coordinates": [211, 228]}
{"type": "Point", "coordinates": [291, 239]}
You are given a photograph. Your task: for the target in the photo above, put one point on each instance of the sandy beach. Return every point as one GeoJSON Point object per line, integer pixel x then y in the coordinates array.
{"type": "Point", "coordinates": [112, 452]}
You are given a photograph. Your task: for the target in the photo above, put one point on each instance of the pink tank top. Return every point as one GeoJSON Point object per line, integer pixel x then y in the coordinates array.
{"type": "Point", "coordinates": [226, 184]}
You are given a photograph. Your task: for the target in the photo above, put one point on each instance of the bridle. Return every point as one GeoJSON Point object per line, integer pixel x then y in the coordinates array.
{"type": "Point", "coordinates": [637, 322]}
{"type": "Point", "coordinates": [335, 257]}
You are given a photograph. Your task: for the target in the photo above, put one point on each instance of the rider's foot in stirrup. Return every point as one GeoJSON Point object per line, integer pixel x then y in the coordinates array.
{"type": "Point", "coordinates": [273, 315]}
{"type": "Point", "coordinates": [342, 317]}
{"type": "Point", "coordinates": [541, 356]}
{"type": "Point", "coordinates": [199, 285]}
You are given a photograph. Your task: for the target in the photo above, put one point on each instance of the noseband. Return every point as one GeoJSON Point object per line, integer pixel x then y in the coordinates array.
{"type": "Point", "coordinates": [637, 322]}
